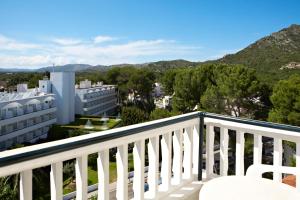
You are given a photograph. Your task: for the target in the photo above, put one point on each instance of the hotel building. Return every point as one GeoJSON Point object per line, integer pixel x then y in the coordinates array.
{"type": "Point", "coordinates": [27, 114]}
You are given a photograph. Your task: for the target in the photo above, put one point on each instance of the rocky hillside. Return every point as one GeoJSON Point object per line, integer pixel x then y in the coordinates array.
{"type": "Point", "coordinates": [274, 53]}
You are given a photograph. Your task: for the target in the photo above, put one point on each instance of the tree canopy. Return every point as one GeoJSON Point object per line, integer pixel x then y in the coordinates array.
{"type": "Point", "coordinates": [286, 101]}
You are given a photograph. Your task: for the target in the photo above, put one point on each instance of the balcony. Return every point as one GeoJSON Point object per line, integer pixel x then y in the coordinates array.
{"type": "Point", "coordinates": [179, 173]}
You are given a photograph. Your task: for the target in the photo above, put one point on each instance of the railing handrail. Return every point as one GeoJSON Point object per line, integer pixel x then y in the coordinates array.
{"type": "Point", "coordinates": [251, 122]}
{"type": "Point", "coordinates": [37, 151]}
{"type": "Point", "coordinates": [32, 152]}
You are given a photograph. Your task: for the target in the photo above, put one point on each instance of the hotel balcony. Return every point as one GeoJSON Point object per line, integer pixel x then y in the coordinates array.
{"type": "Point", "coordinates": [182, 152]}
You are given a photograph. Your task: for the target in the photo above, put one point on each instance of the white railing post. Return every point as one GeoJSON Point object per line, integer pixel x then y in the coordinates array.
{"type": "Point", "coordinates": [103, 175]}
{"type": "Point", "coordinates": [177, 156]}
{"type": "Point", "coordinates": [139, 163]}
{"type": "Point", "coordinates": [210, 137]}
{"type": "Point", "coordinates": [122, 172]}
{"type": "Point", "coordinates": [166, 153]}
{"type": "Point", "coordinates": [257, 151]}
{"type": "Point", "coordinates": [56, 181]}
{"type": "Point", "coordinates": [239, 153]}
{"type": "Point", "coordinates": [26, 185]}
{"type": "Point", "coordinates": [81, 170]}
{"type": "Point", "coordinates": [195, 148]}
{"type": "Point", "coordinates": [188, 153]}
{"type": "Point", "coordinates": [153, 155]}
{"type": "Point", "coordinates": [277, 158]}
{"type": "Point", "coordinates": [224, 137]}
{"type": "Point", "coordinates": [298, 166]}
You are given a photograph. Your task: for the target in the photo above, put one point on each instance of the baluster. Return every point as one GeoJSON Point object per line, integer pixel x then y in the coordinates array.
{"type": "Point", "coordinates": [166, 161]}
{"type": "Point", "coordinates": [153, 155]}
{"type": "Point", "coordinates": [277, 158]}
{"type": "Point", "coordinates": [56, 181]}
{"type": "Point", "coordinates": [188, 153]}
{"type": "Point", "coordinates": [103, 175]}
{"type": "Point", "coordinates": [210, 137]}
{"type": "Point", "coordinates": [177, 157]}
{"type": "Point", "coordinates": [298, 166]}
{"type": "Point", "coordinates": [239, 153]}
{"type": "Point", "coordinates": [81, 169]}
{"type": "Point", "coordinates": [122, 172]}
{"type": "Point", "coordinates": [257, 151]}
{"type": "Point", "coordinates": [26, 185]}
{"type": "Point", "coordinates": [195, 148]}
{"type": "Point", "coordinates": [224, 137]}
{"type": "Point", "coordinates": [139, 163]}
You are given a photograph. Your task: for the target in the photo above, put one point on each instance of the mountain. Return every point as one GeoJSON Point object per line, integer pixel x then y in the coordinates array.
{"type": "Point", "coordinates": [278, 53]}
{"type": "Point", "coordinates": [157, 66]}
{"type": "Point", "coordinates": [68, 67]}
{"type": "Point", "coordinates": [161, 66]}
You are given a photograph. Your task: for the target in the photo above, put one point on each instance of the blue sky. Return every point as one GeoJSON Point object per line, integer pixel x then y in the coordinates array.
{"type": "Point", "coordinates": [35, 33]}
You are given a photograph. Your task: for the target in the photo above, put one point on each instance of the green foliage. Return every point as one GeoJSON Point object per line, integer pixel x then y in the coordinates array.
{"type": "Point", "coordinates": [286, 101]}
{"type": "Point", "coordinates": [9, 187]}
{"type": "Point", "coordinates": [168, 80]}
{"type": "Point", "coordinates": [160, 113]}
{"type": "Point", "coordinates": [31, 78]}
{"type": "Point", "coordinates": [133, 115]}
{"type": "Point", "coordinates": [236, 91]}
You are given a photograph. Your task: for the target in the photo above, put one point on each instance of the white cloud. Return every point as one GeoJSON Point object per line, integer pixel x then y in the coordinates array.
{"type": "Point", "coordinates": [66, 41]}
{"type": "Point", "coordinates": [11, 44]}
{"type": "Point", "coordinates": [67, 50]}
{"type": "Point", "coordinates": [103, 38]}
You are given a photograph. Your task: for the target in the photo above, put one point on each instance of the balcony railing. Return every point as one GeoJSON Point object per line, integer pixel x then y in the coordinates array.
{"type": "Point", "coordinates": [176, 139]}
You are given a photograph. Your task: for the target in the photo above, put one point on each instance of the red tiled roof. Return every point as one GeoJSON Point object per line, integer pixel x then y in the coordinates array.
{"type": "Point", "coordinates": [290, 180]}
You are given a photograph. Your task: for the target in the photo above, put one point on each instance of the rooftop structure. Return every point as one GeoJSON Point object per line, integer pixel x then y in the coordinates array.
{"type": "Point", "coordinates": [185, 166]}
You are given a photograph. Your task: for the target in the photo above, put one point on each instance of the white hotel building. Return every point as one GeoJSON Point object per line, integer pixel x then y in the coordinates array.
{"type": "Point", "coordinates": [97, 99]}
{"type": "Point", "coordinates": [27, 115]}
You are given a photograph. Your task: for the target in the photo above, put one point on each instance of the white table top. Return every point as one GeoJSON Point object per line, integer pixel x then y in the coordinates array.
{"type": "Point", "coordinates": [246, 188]}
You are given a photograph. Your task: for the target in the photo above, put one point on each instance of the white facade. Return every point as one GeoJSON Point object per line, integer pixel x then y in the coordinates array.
{"type": "Point", "coordinates": [25, 117]}
{"type": "Point", "coordinates": [95, 99]}
{"type": "Point", "coordinates": [63, 86]}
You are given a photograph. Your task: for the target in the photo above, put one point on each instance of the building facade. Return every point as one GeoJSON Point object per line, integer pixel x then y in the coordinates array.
{"type": "Point", "coordinates": [97, 99]}
{"type": "Point", "coordinates": [25, 117]}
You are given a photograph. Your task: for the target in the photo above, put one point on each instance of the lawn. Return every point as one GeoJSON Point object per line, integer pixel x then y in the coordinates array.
{"type": "Point", "coordinates": [98, 125]}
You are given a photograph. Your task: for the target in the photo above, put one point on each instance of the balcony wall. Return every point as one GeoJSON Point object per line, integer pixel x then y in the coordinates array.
{"type": "Point", "coordinates": [176, 175]}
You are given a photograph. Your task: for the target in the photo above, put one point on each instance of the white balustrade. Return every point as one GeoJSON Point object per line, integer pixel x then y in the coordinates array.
{"type": "Point", "coordinates": [81, 177]}
{"type": "Point", "coordinates": [122, 172]}
{"type": "Point", "coordinates": [103, 175]}
{"type": "Point", "coordinates": [239, 153]}
{"type": "Point", "coordinates": [257, 151]}
{"type": "Point", "coordinates": [224, 139]}
{"type": "Point", "coordinates": [188, 153]}
{"type": "Point", "coordinates": [195, 148]}
{"type": "Point", "coordinates": [26, 185]}
{"type": "Point", "coordinates": [277, 158]}
{"type": "Point", "coordinates": [210, 137]}
{"type": "Point", "coordinates": [166, 153]}
{"type": "Point", "coordinates": [139, 164]}
{"type": "Point", "coordinates": [179, 139]}
{"type": "Point", "coordinates": [177, 156]}
{"type": "Point", "coordinates": [153, 157]}
{"type": "Point", "coordinates": [56, 181]}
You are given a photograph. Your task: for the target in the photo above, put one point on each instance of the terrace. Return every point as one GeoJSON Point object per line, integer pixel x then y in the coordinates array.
{"type": "Point", "coordinates": [181, 154]}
